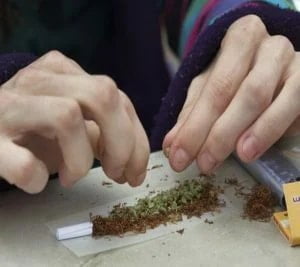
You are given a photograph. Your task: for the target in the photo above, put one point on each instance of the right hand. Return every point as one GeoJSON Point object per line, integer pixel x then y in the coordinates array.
{"type": "Point", "coordinates": [55, 117]}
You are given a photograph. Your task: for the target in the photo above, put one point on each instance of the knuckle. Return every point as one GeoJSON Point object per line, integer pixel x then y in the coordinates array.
{"type": "Point", "coordinates": [28, 76]}
{"type": "Point", "coordinates": [246, 28]}
{"type": "Point", "coordinates": [253, 22]}
{"type": "Point", "coordinates": [219, 144]}
{"type": "Point", "coordinates": [58, 60]}
{"type": "Point", "coordinates": [258, 97]}
{"type": "Point", "coordinates": [250, 23]}
{"type": "Point", "coordinates": [221, 93]}
{"type": "Point", "coordinates": [106, 81]}
{"type": "Point", "coordinates": [54, 56]}
{"type": "Point", "coordinates": [284, 47]}
{"type": "Point", "coordinates": [127, 104]}
{"type": "Point", "coordinates": [269, 128]}
{"type": "Point", "coordinates": [70, 116]}
{"type": "Point", "coordinates": [105, 93]}
{"type": "Point", "coordinates": [280, 42]}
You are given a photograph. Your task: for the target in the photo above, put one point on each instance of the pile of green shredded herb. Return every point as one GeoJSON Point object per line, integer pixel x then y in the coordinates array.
{"type": "Point", "coordinates": [190, 198]}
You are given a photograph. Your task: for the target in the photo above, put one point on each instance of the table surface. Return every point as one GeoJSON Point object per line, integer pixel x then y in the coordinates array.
{"type": "Point", "coordinates": [25, 240]}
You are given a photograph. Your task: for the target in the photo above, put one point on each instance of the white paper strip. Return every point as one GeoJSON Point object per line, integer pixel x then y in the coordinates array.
{"type": "Point", "coordinates": [87, 245]}
{"type": "Point", "coordinates": [159, 178]}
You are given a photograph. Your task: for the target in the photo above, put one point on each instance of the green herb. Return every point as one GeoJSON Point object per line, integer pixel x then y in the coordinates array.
{"type": "Point", "coordinates": [192, 198]}
{"type": "Point", "coordinates": [165, 202]}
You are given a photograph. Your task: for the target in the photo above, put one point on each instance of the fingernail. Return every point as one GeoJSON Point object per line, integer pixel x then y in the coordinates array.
{"type": "Point", "coordinates": [180, 160]}
{"type": "Point", "coordinates": [141, 178]}
{"type": "Point", "coordinates": [39, 181]}
{"type": "Point", "coordinates": [167, 152]}
{"type": "Point", "coordinates": [64, 177]}
{"type": "Point", "coordinates": [250, 148]}
{"type": "Point", "coordinates": [206, 162]}
{"type": "Point", "coordinates": [115, 174]}
{"type": "Point", "coordinates": [35, 186]}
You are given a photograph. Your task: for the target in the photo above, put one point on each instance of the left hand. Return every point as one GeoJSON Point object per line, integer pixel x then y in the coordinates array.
{"type": "Point", "coordinates": [245, 101]}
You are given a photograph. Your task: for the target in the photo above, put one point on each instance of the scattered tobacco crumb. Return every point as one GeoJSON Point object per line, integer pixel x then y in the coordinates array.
{"type": "Point", "coordinates": [180, 231]}
{"type": "Point", "coordinates": [260, 204]}
{"type": "Point", "coordinates": [240, 191]}
{"type": "Point", "coordinates": [169, 254]}
{"type": "Point", "coordinates": [147, 185]}
{"type": "Point", "coordinates": [190, 198]}
{"type": "Point", "coordinates": [157, 166]}
{"type": "Point", "coordinates": [106, 183]}
{"type": "Point", "coordinates": [231, 181]}
{"type": "Point", "coordinates": [163, 243]}
{"type": "Point", "coordinates": [208, 221]}
{"type": "Point", "coordinates": [209, 176]}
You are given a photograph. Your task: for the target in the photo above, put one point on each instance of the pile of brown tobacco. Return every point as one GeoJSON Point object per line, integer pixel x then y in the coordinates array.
{"type": "Point", "coordinates": [260, 204]}
{"type": "Point", "coordinates": [191, 198]}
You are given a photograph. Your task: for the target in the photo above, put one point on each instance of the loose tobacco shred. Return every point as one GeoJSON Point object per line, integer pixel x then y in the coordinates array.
{"type": "Point", "coordinates": [260, 204]}
{"type": "Point", "coordinates": [106, 183]}
{"type": "Point", "coordinates": [191, 198]}
{"type": "Point", "coordinates": [232, 181]}
{"type": "Point", "coordinates": [157, 166]}
{"type": "Point", "coordinates": [180, 231]}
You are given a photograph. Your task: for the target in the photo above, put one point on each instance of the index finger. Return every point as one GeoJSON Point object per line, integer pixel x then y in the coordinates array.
{"type": "Point", "coordinates": [233, 63]}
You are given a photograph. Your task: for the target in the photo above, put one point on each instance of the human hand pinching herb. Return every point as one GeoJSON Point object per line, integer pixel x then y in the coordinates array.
{"type": "Point", "coordinates": [55, 117]}
{"type": "Point", "coordinates": [245, 101]}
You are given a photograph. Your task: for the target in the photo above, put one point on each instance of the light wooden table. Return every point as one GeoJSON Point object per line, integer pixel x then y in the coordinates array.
{"type": "Point", "coordinates": [25, 240]}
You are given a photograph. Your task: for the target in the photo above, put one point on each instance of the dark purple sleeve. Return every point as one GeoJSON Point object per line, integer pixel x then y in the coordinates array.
{"type": "Point", "coordinates": [11, 63]}
{"type": "Point", "coordinates": [278, 21]}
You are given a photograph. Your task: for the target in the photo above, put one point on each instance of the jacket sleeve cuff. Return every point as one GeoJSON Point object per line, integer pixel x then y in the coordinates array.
{"type": "Point", "coordinates": [11, 63]}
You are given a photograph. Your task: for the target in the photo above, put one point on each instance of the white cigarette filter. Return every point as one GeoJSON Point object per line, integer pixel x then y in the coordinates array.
{"type": "Point", "coordinates": [74, 231]}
